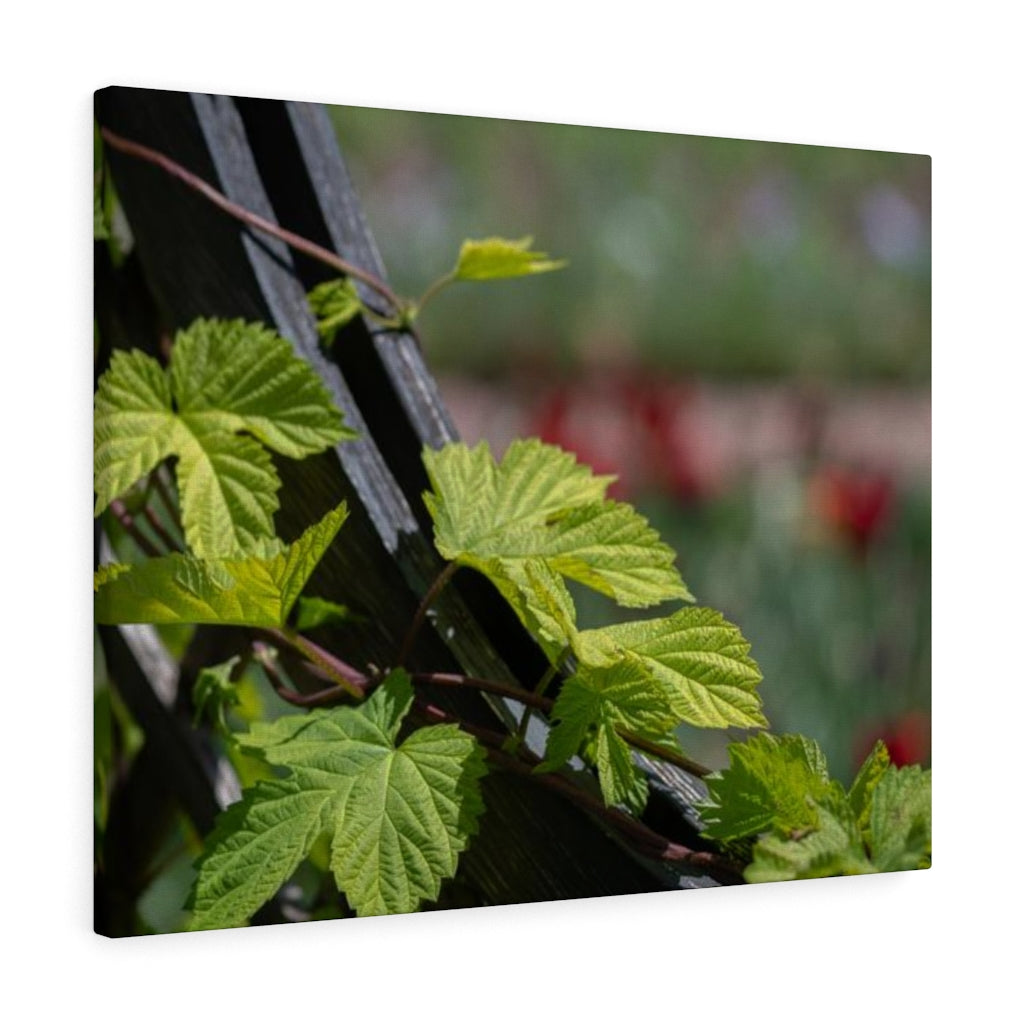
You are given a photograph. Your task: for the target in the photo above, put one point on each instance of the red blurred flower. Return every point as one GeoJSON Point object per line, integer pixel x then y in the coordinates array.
{"type": "Point", "coordinates": [627, 423]}
{"type": "Point", "coordinates": [908, 738]}
{"type": "Point", "coordinates": [856, 504]}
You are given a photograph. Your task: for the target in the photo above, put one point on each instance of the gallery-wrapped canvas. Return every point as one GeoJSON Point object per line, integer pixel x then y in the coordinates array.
{"type": "Point", "coordinates": [583, 551]}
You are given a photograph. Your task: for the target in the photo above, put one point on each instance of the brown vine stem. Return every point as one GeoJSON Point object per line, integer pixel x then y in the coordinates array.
{"type": "Point", "coordinates": [533, 700]}
{"type": "Point", "coordinates": [539, 690]}
{"type": "Point", "coordinates": [643, 838]}
{"type": "Point", "coordinates": [158, 528]}
{"type": "Point", "coordinates": [440, 582]}
{"type": "Point", "coordinates": [536, 700]}
{"type": "Point", "coordinates": [254, 220]}
{"type": "Point", "coordinates": [127, 521]}
{"type": "Point", "coordinates": [345, 677]}
{"type": "Point", "coordinates": [263, 654]}
{"type": "Point", "coordinates": [488, 685]}
{"type": "Point", "coordinates": [160, 486]}
{"type": "Point", "coordinates": [665, 754]}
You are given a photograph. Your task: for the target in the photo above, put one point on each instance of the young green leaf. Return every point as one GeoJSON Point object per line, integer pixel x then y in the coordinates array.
{"type": "Point", "coordinates": [397, 814]}
{"type": "Point", "coordinates": [538, 515]}
{"type": "Point", "coordinates": [258, 590]}
{"type": "Point", "coordinates": [771, 782]}
{"type": "Point", "coordinates": [224, 377]}
{"type": "Point", "coordinates": [834, 847]}
{"type": "Point", "coordinates": [490, 258]}
{"type": "Point", "coordinates": [334, 304]}
{"type": "Point", "coordinates": [701, 660]}
{"type": "Point", "coordinates": [864, 784]}
{"type": "Point", "coordinates": [213, 693]}
{"type": "Point", "coordinates": [777, 788]}
{"type": "Point", "coordinates": [313, 612]}
{"type": "Point", "coordinates": [900, 830]}
{"type": "Point", "coordinates": [591, 707]}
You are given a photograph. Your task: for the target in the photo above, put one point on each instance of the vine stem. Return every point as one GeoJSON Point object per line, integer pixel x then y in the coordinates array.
{"type": "Point", "coordinates": [254, 220]}
{"type": "Point", "coordinates": [158, 528]}
{"type": "Point", "coordinates": [539, 690]}
{"type": "Point", "coordinates": [489, 685]}
{"type": "Point", "coordinates": [263, 654]}
{"type": "Point", "coordinates": [532, 699]}
{"type": "Point", "coordinates": [127, 521]}
{"type": "Point", "coordinates": [435, 287]}
{"type": "Point", "coordinates": [645, 839]}
{"type": "Point", "coordinates": [440, 582]}
{"type": "Point", "coordinates": [164, 494]}
{"type": "Point", "coordinates": [345, 677]}
{"type": "Point", "coordinates": [665, 754]}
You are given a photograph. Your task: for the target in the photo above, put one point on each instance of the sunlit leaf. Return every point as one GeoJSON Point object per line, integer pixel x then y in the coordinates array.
{"type": "Point", "coordinates": [397, 814]}
{"type": "Point", "coordinates": [539, 515]}
{"type": "Point", "coordinates": [489, 258]}
{"type": "Point", "coordinates": [701, 659]}
{"type": "Point", "coordinates": [231, 389]}
{"type": "Point", "coordinates": [771, 782]}
{"type": "Point", "coordinates": [258, 590]}
{"type": "Point", "coordinates": [334, 304]}
{"type": "Point", "coordinates": [591, 707]}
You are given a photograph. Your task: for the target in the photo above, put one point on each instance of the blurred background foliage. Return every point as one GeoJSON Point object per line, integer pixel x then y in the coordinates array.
{"type": "Point", "coordinates": [742, 335]}
{"type": "Point", "coordinates": [699, 254]}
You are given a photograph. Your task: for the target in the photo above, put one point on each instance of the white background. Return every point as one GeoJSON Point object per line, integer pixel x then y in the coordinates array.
{"type": "Point", "coordinates": [892, 76]}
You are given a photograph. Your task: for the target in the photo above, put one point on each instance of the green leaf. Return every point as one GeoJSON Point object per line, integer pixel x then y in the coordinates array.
{"type": "Point", "coordinates": [133, 424]}
{"type": "Point", "coordinates": [490, 258]}
{"type": "Point", "coordinates": [771, 782]}
{"type": "Point", "coordinates": [334, 304]}
{"type": "Point", "coordinates": [106, 573]}
{"type": "Point", "coordinates": [900, 834]}
{"type": "Point", "coordinates": [397, 815]}
{"type": "Point", "coordinates": [224, 377]}
{"type": "Point", "coordinates": [255, 847]}
{"type": "Point", "coordinates": [475, 501]}
{"type": "Point", "coordinates": [864, 784]}
{"type": "Point", "coordinates": [591, 707]}
{"type": "Point", "coordinates": [701, 660]}
{"type": "Point", "coordinates": [608, 547]}
{"type": "Point", "coordinates": [213, 693]}
{"type": "Point", "coordinates": [537, 515]}
{"type": "Point", "coordinates": [540, 598]}
{"type": "Point", "coordinates": [833, 848]}
{"type": "Point", "coordinates": [258, 590]}
{"type": "Point", "coordinates": [313, 612]}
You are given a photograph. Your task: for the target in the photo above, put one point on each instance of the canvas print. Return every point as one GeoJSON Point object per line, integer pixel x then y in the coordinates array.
{"type": "Point", "coordinates": [491, 512]}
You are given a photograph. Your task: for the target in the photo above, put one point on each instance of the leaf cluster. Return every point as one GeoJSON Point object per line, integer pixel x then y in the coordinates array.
{"type": "Point", "coordinates": [539, 518]}
{"type": "Point", "coordinates": [777, 792]}
{"type": "Point", "coordinates": [232, 391]}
